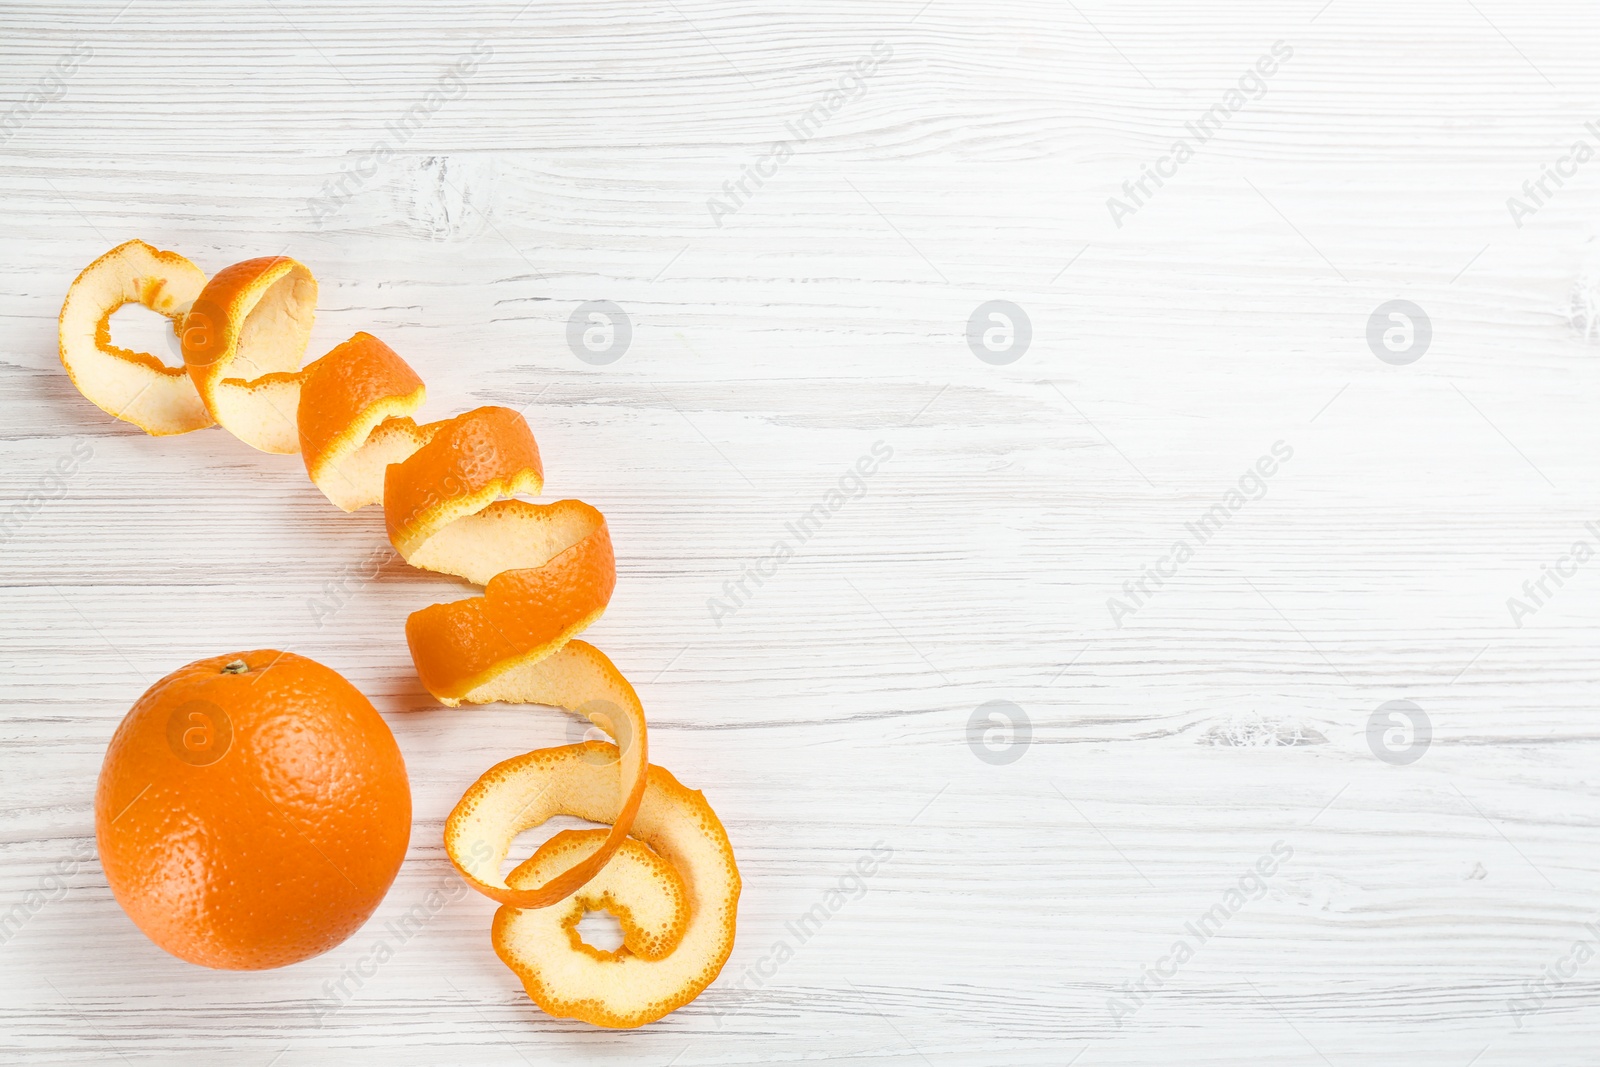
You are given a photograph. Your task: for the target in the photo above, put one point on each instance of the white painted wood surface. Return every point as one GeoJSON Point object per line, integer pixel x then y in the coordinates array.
{"type": "Point", "coordinates": [769, 352]}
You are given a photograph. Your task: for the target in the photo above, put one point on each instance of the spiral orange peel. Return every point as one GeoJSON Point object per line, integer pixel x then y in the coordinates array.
{"type": "Point", "coordinates": [132, 386]}
{"type": "Point", "coordinates": [449, 491]}
{"type": "Point", "coordinates": [674, 889]}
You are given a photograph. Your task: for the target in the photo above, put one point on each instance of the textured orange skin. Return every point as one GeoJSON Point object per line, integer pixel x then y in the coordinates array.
{"type": "Point", "coordinates": [211, 329]}
{"type": "Point", "coordinates": [280, 849]}
{"type": "Point", "coordinates": [459, 645]}
{"type": "Point", "coordinates": [342, 385]}
{"type": "Point", "coordinates": [481, 449]}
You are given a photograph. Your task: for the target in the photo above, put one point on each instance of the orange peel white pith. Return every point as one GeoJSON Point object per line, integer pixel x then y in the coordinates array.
{"type": "Point", "coordinates": [133, 386]}
{"type": "Point", "coordinates": [675, 890]}
{"type": "Point", "coordinates": [449, 493]}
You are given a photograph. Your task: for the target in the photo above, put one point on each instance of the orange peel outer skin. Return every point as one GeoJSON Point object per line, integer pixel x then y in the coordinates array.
{"type": "Point", "coordinates": [253, 318]}
{"type": "Point", "coordinates": [135, 387]}
{"type": "Point", "coordinates": [349, 391]}
{"type": "Point", "coordinates": [471, 460]}
{"type": "Point", "coordinates": [523, 616]}
{"type": "Point", "coordinates": [354, 419]}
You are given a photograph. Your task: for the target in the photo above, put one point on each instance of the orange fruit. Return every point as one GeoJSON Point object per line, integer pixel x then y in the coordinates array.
{"type": "Point", "coordinates": [252, 810]}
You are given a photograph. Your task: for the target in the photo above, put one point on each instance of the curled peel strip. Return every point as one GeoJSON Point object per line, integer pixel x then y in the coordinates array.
{"type": "Point", "coordinates": [243, 341]}
{"type": "Point", "coordinates": [354, 419]}
{"type": "Point", "coordinates": [674, 887]}
{"type": "Point", "coordinates": [448, 490]}
{"type": "Point", "coordinates": [548, 572]}
{"type": "Point", "coordinates": [133, 386]}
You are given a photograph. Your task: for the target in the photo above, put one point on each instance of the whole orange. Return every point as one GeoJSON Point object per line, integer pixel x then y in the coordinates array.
{"type": "Point", "coordinates": [252, 810]}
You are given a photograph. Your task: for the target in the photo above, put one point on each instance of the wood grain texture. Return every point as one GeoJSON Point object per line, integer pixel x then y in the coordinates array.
{"type": "Point", "coordinates": [772, 347]}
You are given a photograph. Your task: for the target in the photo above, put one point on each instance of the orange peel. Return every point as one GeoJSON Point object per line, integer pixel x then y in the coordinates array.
{"type": "Point", "coordinates": [674, 889]}
{"type": "Point", "coordinates": [548, 572]}
{"type": "Point", "coordinates": [471, 461]}
{"type": "Point", "coordinates": [581, 679]}
{"type": "Point", "coordinates": [354, 419]}
{"type": "Point", "coordinates": [641, 890]}
{"type": "Point", "coordinates": [449, 491]}
{"type": "Point", "coordinates": [132, 386]}
{"type": "Point", "coordinates": [243, 341]}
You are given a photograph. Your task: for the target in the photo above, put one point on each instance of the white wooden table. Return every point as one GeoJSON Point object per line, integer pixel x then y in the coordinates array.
{"type": "Point", "coordinates": [1422, 912]}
